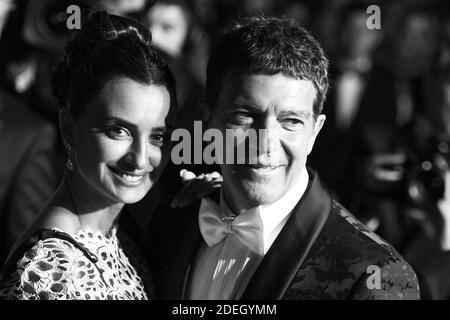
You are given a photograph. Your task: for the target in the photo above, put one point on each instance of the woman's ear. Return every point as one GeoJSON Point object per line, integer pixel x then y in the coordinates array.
{"type": "Point", "coordinates": [67, 127]}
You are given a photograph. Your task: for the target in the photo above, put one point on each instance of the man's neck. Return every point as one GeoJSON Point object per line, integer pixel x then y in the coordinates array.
{"type": "Point", "coordinates": [238, 205]}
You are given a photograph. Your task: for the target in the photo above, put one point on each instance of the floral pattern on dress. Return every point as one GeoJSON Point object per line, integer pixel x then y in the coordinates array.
{"type": "Point", "coordinates": [56, 268]}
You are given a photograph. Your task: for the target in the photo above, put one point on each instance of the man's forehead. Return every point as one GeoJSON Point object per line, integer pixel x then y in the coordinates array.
{"type": "Point", "coordinates": [247, 87]}
{"type": "Point", "coordinates": [237, 78]}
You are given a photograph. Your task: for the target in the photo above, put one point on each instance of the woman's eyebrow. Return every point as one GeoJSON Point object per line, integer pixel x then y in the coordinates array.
{"type": "Point", "coordinates": [247, 105]}
{"type": "Point", "coordinates": [132, 125]}
{"type": "Point", "coordinates": [119, 121]}
{"type": "Point", "coordinates": [162, 128]}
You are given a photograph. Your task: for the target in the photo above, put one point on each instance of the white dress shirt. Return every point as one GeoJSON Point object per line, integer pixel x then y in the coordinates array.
{"type": "Point", "coordinates": [222, 272]}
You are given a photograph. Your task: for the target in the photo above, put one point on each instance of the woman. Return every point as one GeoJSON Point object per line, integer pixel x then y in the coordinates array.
{"type": "Point", "coordinates": [117, 100]}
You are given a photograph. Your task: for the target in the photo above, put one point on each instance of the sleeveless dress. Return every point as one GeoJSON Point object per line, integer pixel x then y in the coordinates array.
{"type": "Point", "coordinates": [84, 266]}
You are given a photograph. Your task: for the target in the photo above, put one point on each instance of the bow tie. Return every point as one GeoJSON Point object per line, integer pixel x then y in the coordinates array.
{"type": "Point", "coordinates": [215, 225]}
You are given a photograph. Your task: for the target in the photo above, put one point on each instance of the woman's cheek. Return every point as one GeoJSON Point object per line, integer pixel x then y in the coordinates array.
{"type": "Point", "coordinates": [113, 149]}
{"type": "Point", "coordinates": [157, 156]}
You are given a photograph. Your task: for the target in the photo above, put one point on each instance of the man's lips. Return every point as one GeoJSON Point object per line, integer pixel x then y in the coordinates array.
{"type": "Point", "coordinates": [258, 169]}
{"type": "Point", "coordinates": [263, 166]}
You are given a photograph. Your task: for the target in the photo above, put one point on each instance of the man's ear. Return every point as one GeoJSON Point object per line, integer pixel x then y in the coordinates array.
{"type": "Point", "coordinates": [318, 124]}
{"type": "Point", "coordinates": [67, 127]}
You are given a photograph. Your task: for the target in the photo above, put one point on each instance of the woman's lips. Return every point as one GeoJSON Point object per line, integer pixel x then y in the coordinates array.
{"type": "Point", "coordinates": [128, 178]}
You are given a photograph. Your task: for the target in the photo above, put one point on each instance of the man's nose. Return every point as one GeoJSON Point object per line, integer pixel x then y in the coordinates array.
{"type": "Point", "coordinates": [268, 137]}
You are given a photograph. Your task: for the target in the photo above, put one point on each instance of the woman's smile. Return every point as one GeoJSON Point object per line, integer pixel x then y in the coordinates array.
{"type": "Point", "coordinates": [127, 178]}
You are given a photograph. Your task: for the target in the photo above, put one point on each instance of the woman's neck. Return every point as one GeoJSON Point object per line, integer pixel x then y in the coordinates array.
{"type": "Point", "coordinates": [88, 209]}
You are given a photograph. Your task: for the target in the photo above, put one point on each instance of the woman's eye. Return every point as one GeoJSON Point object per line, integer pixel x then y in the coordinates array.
{"type": "Point", "coordinates": [117, 132]}
{"type": "Point", "coordinates": [158, 139]}
{"type": "Point", "coordinates": [241, 118]}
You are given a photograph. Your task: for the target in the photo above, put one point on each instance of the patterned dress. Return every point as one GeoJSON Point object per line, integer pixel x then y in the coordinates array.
{"type": "Point", "coordinates": [87, 266]}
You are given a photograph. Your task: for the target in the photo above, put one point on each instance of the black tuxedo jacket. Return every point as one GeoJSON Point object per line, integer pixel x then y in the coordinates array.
{"type": "Point", "coordinates": [322, 252]}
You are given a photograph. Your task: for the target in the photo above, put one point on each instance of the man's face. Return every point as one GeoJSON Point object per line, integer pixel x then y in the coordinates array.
{"type": "Point", "coordinates": [282, 106]}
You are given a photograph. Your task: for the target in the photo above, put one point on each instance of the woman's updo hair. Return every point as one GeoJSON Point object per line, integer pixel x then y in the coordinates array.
{"type": "Point", "coordinates": [107, 47]}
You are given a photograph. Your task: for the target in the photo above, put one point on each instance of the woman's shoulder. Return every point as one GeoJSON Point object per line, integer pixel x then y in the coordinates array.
{"type": "Point", "coordinates": [42, 267]}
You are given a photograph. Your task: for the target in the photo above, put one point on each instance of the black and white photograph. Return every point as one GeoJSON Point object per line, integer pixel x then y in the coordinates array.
{"type": "Point", "coordinates": [221, 156]}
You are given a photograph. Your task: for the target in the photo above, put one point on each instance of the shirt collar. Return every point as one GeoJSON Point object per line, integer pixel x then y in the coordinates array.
{"type": "Point", "coordinates": [275, 214]}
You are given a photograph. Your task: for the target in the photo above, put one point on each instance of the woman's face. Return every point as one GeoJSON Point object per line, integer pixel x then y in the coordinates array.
{"type": "Point", "coordinates": [121, 142]}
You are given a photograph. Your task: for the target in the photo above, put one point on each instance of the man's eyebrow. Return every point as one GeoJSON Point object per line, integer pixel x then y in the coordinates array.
{"type": "Point", "coordinates": [303, 114]}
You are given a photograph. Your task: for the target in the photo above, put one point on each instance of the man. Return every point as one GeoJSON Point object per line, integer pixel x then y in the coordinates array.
{"type": "Point", "coordinates": [273, 232]}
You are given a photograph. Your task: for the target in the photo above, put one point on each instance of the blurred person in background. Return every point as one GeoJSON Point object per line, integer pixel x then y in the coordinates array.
{"type": "Point", "coordinates": [122, 7]}
{"type": "Point", "coordinates": [28, 170]}
{"type": "Point", "coordinates": [5, 8]}
{"type": "Point", "coordinates": [428, 191]}
{"type": "Point", "coordinates": [298, 10]}
{"type": "Point", "coordinates": [388, 120]}
{"type": "Point", "coordinates": [178, 36]}
{"type": "Point", "coordinates": [176, 33]}
{"type": "Point", "coordinates": [349, 75]}
{"type": "Point", "coordinates": [33, 40]}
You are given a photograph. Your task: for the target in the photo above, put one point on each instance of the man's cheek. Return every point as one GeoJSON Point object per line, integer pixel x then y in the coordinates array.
{"type": "Point", "coordinates": [294, 145]}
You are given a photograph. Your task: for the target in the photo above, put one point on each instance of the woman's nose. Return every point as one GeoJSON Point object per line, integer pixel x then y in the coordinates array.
{"type": "Point", "coordinates": [137, 157]}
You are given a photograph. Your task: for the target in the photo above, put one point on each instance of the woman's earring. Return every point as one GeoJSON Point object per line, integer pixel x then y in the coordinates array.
{"type": "Point", "coordinates": [69, 163]}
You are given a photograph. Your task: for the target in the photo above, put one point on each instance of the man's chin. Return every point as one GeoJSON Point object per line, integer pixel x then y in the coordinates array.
{"type": "Point", "coordinates": [261, 193]}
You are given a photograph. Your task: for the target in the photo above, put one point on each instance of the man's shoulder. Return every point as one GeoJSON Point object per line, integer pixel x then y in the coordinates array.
{"type": "Point", "coordinates": [354, 239]}
{"type": "Point", "coordinates": [346, 254]}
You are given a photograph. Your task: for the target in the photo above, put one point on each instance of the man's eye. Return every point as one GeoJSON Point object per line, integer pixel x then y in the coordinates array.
{"type": "Point", "coordinates": [292, 121]}
{"type": "Point", "coordinates": [117, 132]}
